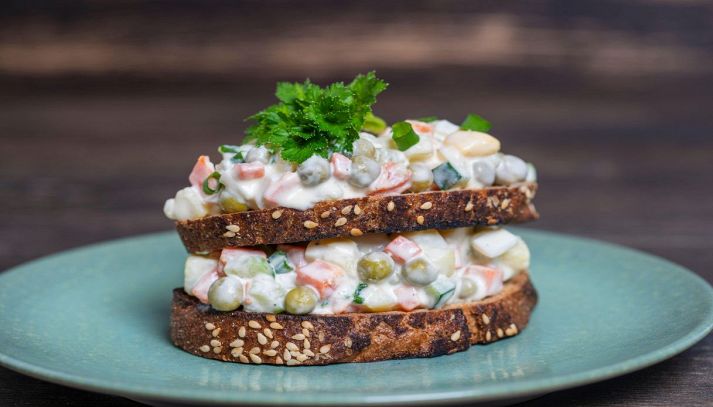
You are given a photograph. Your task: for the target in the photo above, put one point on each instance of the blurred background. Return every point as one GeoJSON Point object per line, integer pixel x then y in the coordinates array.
{"type": "Point", "coordinates": [104, 106]}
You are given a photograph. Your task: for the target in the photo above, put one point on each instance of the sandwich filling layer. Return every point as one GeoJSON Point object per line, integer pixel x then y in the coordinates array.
{"type": "Point", "coordinates": [373, 273]}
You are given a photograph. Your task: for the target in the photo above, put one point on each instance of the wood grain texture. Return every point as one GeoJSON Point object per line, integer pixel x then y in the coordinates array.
{"type": "Point", "coordinates": [609, 99]}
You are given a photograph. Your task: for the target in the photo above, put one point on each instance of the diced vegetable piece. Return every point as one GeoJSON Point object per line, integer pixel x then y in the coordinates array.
{"type": "Point", "coordinates": [531, 173]}
{"type": "Point", "coordinates": [446, 176]}
{"type": "Point", "coordinates": [296, 254]}
{"type": "Point", "coordinates": [427, 239]}
{"type": "Point", "coordinates": [229, 203]}
{"type": "Point", "coordinates": [421, 178]}
{"type": "Point", "coordinates": [364, 148]}
{"type": "Point", "coordinates": [252, 170]}
{"type": "Point", "coordinates": [265, 295]}
{"type": "Point", "coordinates": [443, 259]}
{"type": "Point", "coordinates": [378, 298]}
{"type": "Point", "coordinates": [421, 128]}
{"type": "Point", "coordinates": [488, 279]}
{"type": "Point", "coordinates": [212, 184]}
{"type": "Point", "coordinates": [484, 172]}
{"type": "Point", "coordinates": [341, 166]}
{"type": "Point", "coordinates": [280, 263]}
{"type": "Point", "coordinates": [245, 263]}
{"type": "Point", "coordinates": [423, 150]}
{"type": "Point", "coordinates": [258, 154]}
{"type": "Point", "coordinates": [373, 124]}
{"type": "Point", "coordinates": [342, 252]}
{"type": "Point", "coordinates": [229, 254]}
{"type": "Point", "coordinates": [202, 170]}
{"type": "Point", "coordinates": [517, 258]}
{"type": "Point", "coordinates": [403, 135]}
{"type": "Point", "coordinates": [492, 243]}
{"type": "Point", "coordinates": [321, 275]}
{"type": "Point", "coordinates": [363, 171]}
{"type": "Point", "coordinates": [441, 291]}
{"type": "Point", "coordinates": [393, 179]}
{"type": "Point", "coordinates": [314, 171]}
{"type": "Point", "coordinates": [475, 123]}
{"type": "Point", "coordinates": [188, 204]}
{"type": "Point", "coordinates": [358, 299]}
{"type": "Point", "coordinates": [228, 149]}
{"type": "Point", "coordinates": [420, 271]}
{"type": "Point", "coordinates": [300, 300]}
{"type": "Point", "coordinates": [200, 290]}
{"type": "Point", "coordinates": [282, 189]}
{"type": "Point", "coordinates": [196, 267]}
{"type": "Point", "coordinates": [402, 249]}
{"type": "Point", "coordinates": [226, 293]}
{"type": "Point", "coordinates": [444, 127]}
{"type": "Point", "coordinates": [375, 266]}
{"type": "Point", "coordinates": [407, 298]}
{"type": "Point", "coordinates": [468, 288]}
{"type": "Point", "coordinates": [511, 169]}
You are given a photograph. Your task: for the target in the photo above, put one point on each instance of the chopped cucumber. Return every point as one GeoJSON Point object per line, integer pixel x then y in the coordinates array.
{"type": "Point", "coordinates": [249, 267]}
{"type": "Point", "coordinates": [279, 262]}
{"type": "Point", "coordinates": [446, 176]}
{"type": "Point", "coordinates": [267, 295]}
{"type": "Point", "coordinates": [441, 290]}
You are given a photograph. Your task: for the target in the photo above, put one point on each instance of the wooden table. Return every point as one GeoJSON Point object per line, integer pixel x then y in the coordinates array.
{"type": "Point", "coordinates": [623, 144]}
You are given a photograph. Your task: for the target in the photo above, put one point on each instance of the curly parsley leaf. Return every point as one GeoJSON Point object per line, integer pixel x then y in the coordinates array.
{"type": "Point", "coordinates": [358, 299]}
{"type": "Point", "coordinates": [475, 123]}
{"type": "Point", "coordinates": [404, 136]}
{"type": "Point", "coordinates": [311, 120]}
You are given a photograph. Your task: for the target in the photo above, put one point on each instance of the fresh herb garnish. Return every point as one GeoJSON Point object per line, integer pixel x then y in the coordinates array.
{"type": "Point", "coordinates": [404, 136]}
{"type": "Point", "coordinates": [475, 123]}
{"type": "Point", "coordinates": [358, 299]}
{"type": "Point", "coordinates": [427, 119]}
{"type": "Point", "coordinates": [206, 184]}
{"type": "Point", "coordinates": [227, 148]}
{"type": "Point", "coordinates": [373, 124]}
{"type": "Point", "coordinates": [312, 120]}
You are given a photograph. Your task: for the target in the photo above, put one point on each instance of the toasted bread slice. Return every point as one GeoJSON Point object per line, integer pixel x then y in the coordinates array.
{"type": "Point", "coordinates": [257, 338]}
{"type": "Point", "coordinates": [372, 214]}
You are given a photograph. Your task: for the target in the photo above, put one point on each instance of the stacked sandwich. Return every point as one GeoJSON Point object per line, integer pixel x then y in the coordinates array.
{"type": "Point", "coordinates": [331, 237]}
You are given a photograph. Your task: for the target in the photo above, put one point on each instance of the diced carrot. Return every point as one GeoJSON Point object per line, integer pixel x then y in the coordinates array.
{"type": "Point", "coordinates": [200, 290]}
{"type": "Point", "coordinates": [407, 298]}
{"type": "Point", "coordinates": [278, 189]}
{"type": "Point", "coordinates": [321, 275]}
{"type": "Point", "coordinates": [341, 166]}
{"type": "Point", "coordinates": [295, 254]}
{"type": "Point", "coordinates": [201, 171]}
{"type": "Point", "coordinates": [393, 177]}
{"type": "Point", "coordinates": [493, 277]}
{"type": "Point", "coordinates": [421, 128]}
{"type": "Point", "coordinates": [402, 249]}
{"type": "Point", "coordinates": [253, 170]}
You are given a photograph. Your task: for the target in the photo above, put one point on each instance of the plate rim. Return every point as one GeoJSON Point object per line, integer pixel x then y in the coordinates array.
{"type": "Point", "coordinates": [496, 391]}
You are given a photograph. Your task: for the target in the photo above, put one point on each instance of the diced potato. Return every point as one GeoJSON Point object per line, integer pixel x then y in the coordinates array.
{"type": "Point", "coordinates": [473, 143]}
{"type": "Point", "coordinates": [492, 243]}
{"type": "Point", "coordinates": [266, 295]}
{"type": "Point", "coordinates": [423, 150]}
{"type": "Point", "coordinates": [517, 258]}
{"type": "Point", "coordinates": [196, 267]}
{"type": "Point", "coordinates": [378, 298]}
{"type": "Point", "coordinates": [342, 252]}
{"type": "Point", "coordinates": [443, 259]}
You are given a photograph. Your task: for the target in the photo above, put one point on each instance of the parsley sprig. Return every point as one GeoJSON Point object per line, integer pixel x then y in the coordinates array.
{"type": "Point", "coordinates": [311, 120]}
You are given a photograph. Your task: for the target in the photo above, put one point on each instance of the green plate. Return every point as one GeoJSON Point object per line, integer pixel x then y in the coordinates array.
{"type": "Point", "coordinates": [96, 318]}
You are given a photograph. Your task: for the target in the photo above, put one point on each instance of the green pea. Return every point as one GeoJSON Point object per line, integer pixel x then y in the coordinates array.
{"type": "Point", "coordinates": [375, 266]}
{"type": "Point", "coordinates": [226, 294]}
{"type": "Point", "coordinates": [300, 300]}
{"type": "Point", "coordinates": [231, 204]}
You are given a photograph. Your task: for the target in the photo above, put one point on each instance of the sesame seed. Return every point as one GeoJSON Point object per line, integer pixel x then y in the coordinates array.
{"type": "Point", "coordinates": [204, 348]}
{"type": "Point", "coordinates": [286, 354]}
{"type": "Point", "coordinates": [301, 357]}
{"type": "Point", "coordinates": [486, 319]}
{"type": "Point", "coordinates": [308, 353]}
{"type": "Point", "coordinates": [214, 342]}
{"type": "Point", "coordinates": [256, 359]}
{"type": "Point", "coordinates": [237, 343]}
{"type": "Point", "coordinates": [217, 349]}
{"type": "Point", "coordinates": [270, 352]}
{"type": "Point", "coordinates": [216, 332]}
{"type": "Point", "coordinates": [511, 330]}
{"type": "Point", "coordinates": [309, 224]}
{"type": "Point", "coordinates": [306, 332]}
{"type": "Point", "coordinates": [241, 332]}
{"type": "Point", "coordinates": [346, 210]}
{"type": "Point", "coordinates": [505, 203]}
{"type": "Point", "coordinates": [209, 326]}
{"type": "Point", "coordinates": [291, 346]}
{"type": "Point", "coordinates": [469, 206]}
{"type": "Point", "coordinates": [390, 206]}
{"type": "Point", "coordinates": [254, 350]}
{"type": "Point", "coordinates": [340, 222]}
{"type": "Point", "coordinates": [348, 342]}
{"type": "Point", "coordinates": [292, 362]}
{"type": "Point", "coordinates": [276, 214]}
{"type": "Point", "coordinates": [307, 325]}
{"type": "Point", "coordinates": [307, 344]}
{"type": "Point", "coordinates": [274, 344]}
{"type": "Point", "coordinates": [488, 336]}
{"type": "Point", "coordinates": [254, 324]}
{"type": "Point", "coordinates": [356, 232]}
{"type": "Point", "coordinates": [420, 219]}
{"type": "Point", "coordinates": [455, 336]}
{"type": "Point", "coordinates": [325, 214]}
{"type": "Point", "coordinates": [261, 339]}
{"type": "Point", "coordinates": [237, 352]}
{"type": "Point", "coordinates": [276, 325]}
{"type": "Point", "coordinates": [298, 337]}
{"type": "Point", "coordinates": [278, 361]}
{"type": "Point", "coordinates": [321, 337]}
{"type": "Point", "coordinates": [229, 234]}
{"type": "Point", "coordinates": [500, 333]}
{"type": "Point", "coordinates": [270, 318]}
{"type": "Point", "coordinates": [427, 205]}
{"type": "Point", "coordinates": [357, 210]}
{"type": "Point", "coordinates": [244, 359]}
{"type": "Point", "coordinates": [325, 348]}
{"type": "Point", "coordinates": [267, 332]}
{"type": "Point", "coordinates": [233, 228]}
{"type": "Point", "coordinates": [295, 353]}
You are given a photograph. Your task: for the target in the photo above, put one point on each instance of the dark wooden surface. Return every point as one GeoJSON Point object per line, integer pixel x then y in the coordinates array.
{"type": "Point", "coordinates": [104, 107]}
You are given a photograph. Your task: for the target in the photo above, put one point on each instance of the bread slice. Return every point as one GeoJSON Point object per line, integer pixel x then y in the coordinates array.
{"type": "Point", "coordinates": [260, 338]}
{"type": "Point", "coordinates": [371, 214]}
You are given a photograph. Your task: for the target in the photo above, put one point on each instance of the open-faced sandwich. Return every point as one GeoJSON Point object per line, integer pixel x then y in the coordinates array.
{"type": "Point", "coordinates": [331, 237]}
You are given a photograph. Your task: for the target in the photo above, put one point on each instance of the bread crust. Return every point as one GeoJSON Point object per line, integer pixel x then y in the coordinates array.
{"type": "Point", "coordinates": [375, 214]}
{"type": "Point", "coordinates": [259, 338]}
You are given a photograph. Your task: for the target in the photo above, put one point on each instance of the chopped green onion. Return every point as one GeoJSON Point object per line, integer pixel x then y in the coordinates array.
{"type": "Point", "coordinates": [358, 299]}
{"type": "Point", "coordinates": [446, 176]}
{"type": "Point", "coordinates": [427, 119]}
{"type": "Point", "coordinates": [279, 262]}
{"type": "Point", "coordinates": [228, 148]}
{"type": "Point", "coordinates": [373, 124]}
{"type": "Point", "coordinates": [475, 123]}
{"type": "Point", "coordinates": [206, 184]}
{"type": "Point", "coordinates": [237, 158]}
{"type": "Point", "coordinates": [404, 136]}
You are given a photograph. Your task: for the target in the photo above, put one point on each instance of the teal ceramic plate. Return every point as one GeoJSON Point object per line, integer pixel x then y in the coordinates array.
{"type": "Point", "coordinates": [96, 318]}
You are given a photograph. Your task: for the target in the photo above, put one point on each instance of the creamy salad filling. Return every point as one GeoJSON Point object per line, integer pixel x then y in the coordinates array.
{"type": "Point", "coordinates": [440, 156]}
{"type": "Point", "coordinates": [373, 273]}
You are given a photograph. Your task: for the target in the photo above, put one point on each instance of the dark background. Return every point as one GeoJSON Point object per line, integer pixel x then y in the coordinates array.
{"type": "Point", "coordinates": [105, 105]}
